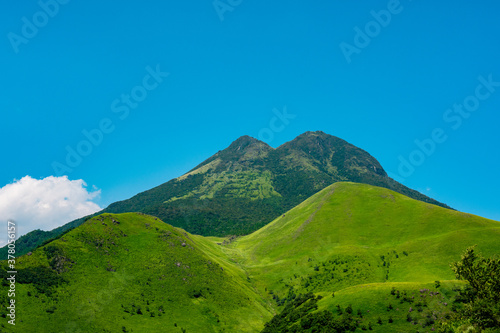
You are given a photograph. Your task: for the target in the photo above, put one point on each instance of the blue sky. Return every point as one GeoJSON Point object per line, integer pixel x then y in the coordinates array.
{"type": "Point", "coordinates": [160, 86]}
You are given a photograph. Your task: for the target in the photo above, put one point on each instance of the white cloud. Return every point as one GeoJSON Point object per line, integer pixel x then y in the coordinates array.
{"type": "Point", "coordinates": [44, 204]}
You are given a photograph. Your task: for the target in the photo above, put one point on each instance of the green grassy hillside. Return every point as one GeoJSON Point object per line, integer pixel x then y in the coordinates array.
{"type": "Point", "coordinates": [132, 273]}
{"type": "Point", "coordinates": [360, 241]}
{"type": "Point", "coordinates": [352, 254]}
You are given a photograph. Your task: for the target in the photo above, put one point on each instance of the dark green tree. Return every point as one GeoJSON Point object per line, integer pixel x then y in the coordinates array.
{"type": "Point", "coordinates": [480, 300]}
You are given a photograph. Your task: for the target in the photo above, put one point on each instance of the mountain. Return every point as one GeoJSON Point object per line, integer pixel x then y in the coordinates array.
{"type": "Point", "coordinates": [248, 184]}
{"type": "Point", "coordinates": [367, 250]}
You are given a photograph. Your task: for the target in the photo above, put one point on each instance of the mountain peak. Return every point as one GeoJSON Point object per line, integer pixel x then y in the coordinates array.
{"type": "Point", "coordinates": [330, 151]}
{"type": "Point", "coordinates": [245, 141]}
{"type": "Point", "coordinates": [314, 133]}
{"type": "Point", "coordinates": [243, 149]}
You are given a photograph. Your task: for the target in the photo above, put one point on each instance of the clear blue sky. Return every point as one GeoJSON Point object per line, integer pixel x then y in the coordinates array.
{"type": "Point", "coordinates": [69, 69]}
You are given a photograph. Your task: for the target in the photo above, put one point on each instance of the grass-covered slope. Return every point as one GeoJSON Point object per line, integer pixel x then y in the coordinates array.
{"type": "Point", "coordinates": [132, 273]}
{"type": "Point", "coordinates": [419, 240]}
{"type": "Point", "coordinates": [358, 242]}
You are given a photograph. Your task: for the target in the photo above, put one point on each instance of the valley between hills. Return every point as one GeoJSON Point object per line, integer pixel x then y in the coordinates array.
{"type": "Point", "coordinates": [351, 256]}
